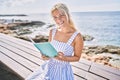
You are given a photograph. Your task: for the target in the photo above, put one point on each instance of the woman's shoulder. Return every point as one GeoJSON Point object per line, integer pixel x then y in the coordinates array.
{"type": "Point", "coordinates": [52, 31]}
{"type": "Point", "coordinates": [78, 36]}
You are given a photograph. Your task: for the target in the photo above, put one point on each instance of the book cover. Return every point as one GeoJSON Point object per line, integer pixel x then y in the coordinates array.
{"type": "Point", "coordinates": [45, 48]}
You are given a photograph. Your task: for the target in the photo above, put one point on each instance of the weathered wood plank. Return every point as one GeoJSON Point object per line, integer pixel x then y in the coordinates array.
{"type": "Point", "coordinates": [28, 64]}
{"type": "Point", "coordinates": [87, 75]}
{"type": "Point", "coordinates": [84, 61]}
{"type": "Point", "coordinates": [16, 67]}
{"type": "Point", "coordinates": [107, 68]}
{"type": "Point", "coordinates": [23, 54]}
{"type": "Point", "coordinates": [78, 78]}
{"type": "Point", "coordinates": [91, 76]}
{"type": "Point", "coordinates": [18, 41]}
{"type": "Point", "coordinates": [79, 72]}
{"type": "Point", "coordinates": [21, 47]}
{"type": "Point", "coordinates": [80, 65]}
{"type": "Point", "coordinates": [105, 71]}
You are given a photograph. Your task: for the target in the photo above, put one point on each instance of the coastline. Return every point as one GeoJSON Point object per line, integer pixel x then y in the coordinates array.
{"type": "Point", "coordinates": [104, 54]}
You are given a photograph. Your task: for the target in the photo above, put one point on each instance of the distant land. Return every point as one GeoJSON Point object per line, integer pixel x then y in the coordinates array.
{"type": "Point", "coordinates": [13, 15]}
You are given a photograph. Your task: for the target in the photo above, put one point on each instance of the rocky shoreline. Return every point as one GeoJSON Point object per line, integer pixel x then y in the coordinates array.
{"type": "Point", "coordinates": [106, 55]}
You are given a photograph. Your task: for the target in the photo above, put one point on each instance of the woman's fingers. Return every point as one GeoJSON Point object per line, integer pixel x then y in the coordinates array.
{"type": "Point", "coordinates": [60, 55]}
{"type": "Point", "coordinates": [45, 57]}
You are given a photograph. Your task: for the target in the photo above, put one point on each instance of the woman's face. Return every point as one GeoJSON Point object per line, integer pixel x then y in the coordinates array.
{"type": "Point", "coordinates": [60, 18]}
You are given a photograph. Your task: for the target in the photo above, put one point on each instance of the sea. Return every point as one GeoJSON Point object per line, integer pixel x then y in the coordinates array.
{"type": "Point", "coordinates": [103, 26]}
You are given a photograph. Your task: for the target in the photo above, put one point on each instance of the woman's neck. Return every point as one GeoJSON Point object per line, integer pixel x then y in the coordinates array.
{"type": "Point", "coordinates": [66, 29]}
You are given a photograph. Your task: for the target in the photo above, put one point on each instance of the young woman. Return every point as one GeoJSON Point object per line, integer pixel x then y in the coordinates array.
{"type": "Point", "coordinates": [68, 43]}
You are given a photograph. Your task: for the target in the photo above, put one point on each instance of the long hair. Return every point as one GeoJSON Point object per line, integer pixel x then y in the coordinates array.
{"type": "Point", "coordinates": [63, 8]}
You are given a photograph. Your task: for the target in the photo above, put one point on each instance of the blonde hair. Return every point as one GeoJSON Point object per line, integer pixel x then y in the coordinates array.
{"type": "Point", "coordinates": [63, 8]}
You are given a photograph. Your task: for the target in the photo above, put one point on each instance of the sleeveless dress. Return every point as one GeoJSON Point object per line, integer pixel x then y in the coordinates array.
{"type": "Point", "coordinates": [54, 69]}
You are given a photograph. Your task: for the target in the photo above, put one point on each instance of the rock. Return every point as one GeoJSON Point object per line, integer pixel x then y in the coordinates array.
{"type": "Point", "coordinates": [22, 23]}
{"type": "Point", "coordinates": [38, 38]}
{"type": "Point", "coordinates": [41, 38]}
{"type": "Point", "coordinates": [115, 63]}
{"type": "Point", "coordinates": [12, 26]}
{"type": "Point", "coordinates": [94, 50]}
{"type": "Point", "coordinates": [102, 54]}
{"type": "Point", "coordinates": [87, 38]}
{"type": "Point", "coordinates": [50, 25]}
{"type": "Point", "coordinates": [37, 23]}
{"type": "Point", "coordinates": [113, 49]}
{"type": "Point", "coordinates": [22, 37]}
{"type": "Point", "coordinates": [101, 49]}
{"type": "Point", "coordinates": [3, 26]}
{"type": "Point", "coordinates": [100, 57]}
{"type": "Point", "coordinates": [23, 31]}
{"type": "Point", "coordinates": [7, 32]}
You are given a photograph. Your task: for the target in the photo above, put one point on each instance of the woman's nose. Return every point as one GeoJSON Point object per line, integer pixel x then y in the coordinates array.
{"type": "Point", "coordinates": [59, 19]}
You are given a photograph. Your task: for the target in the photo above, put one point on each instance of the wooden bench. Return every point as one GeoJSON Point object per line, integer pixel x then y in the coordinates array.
{"type": "Point", "coordinates": [23, 58]}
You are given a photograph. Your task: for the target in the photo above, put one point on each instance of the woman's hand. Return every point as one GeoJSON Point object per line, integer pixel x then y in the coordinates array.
{"type": "Point", "coordinates": [45, 57]}
{"type": "Point", "coordinates": [60, 56]}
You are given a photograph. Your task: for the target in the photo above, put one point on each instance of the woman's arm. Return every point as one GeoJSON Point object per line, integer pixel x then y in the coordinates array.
{"type": "Point", "coordinates": [78, 46]}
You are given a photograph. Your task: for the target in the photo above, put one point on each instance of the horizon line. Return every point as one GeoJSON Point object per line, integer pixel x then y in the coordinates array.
{"type": "Point", "coordinates": [48, 12]}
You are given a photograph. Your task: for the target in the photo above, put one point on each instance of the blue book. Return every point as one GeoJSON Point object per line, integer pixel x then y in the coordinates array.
{"type": "Point", "coordinates": [45, 48]}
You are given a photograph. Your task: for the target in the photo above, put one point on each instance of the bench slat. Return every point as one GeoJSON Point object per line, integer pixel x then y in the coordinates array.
{"type": "Point", "coordinates": [21, 47]}
{"type": "Point", "coordinates": [18, 41]}
{"type": "Point", "coordinates": [23, 54]}
{"type": "Point", "coordinates": [86, 75]}
{"type": "Point", "coordinates": [78, 78]}
{"type": "Point", "coordinates": [17, 68]}
{"type": "Point", "coordinates": [80, 65]}
{"type": "Point", "coordinates": [107, 68]}
{"type": "Point", "coordinates": [86, 62]}
{"type": "Point", "coordinates": [101, 70]}
{"type": "Point", "coordinates": [19, 59]}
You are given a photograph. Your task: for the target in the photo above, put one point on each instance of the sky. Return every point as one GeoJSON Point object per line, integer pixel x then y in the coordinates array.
{"type": "Point", "coordinates": [44, 6]}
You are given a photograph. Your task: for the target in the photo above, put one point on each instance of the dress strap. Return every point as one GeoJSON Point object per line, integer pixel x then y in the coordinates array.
{"type": "Point", "coordinates": [72, 38]}
{"type": "Point", "coordinates": [53, 32]}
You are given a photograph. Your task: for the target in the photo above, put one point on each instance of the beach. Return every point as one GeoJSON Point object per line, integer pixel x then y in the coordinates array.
{"type": "Point", "coordinates": [101, 45]}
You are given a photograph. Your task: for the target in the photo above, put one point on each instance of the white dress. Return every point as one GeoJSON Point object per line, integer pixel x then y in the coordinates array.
{"type": "Point", "coordinates": [54, 69]}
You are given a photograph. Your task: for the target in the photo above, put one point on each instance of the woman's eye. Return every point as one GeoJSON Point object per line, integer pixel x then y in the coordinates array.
{"type": "Point", "coordinates": [62, 15]}
{"type": "Point", "coordinates": [55, 17]}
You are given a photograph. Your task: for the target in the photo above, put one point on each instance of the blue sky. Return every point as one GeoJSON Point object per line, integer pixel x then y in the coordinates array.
{"type": "Point", "coordinates": [43, 6]}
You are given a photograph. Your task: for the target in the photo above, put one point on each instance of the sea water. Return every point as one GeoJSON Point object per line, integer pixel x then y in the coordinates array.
{"type": "Point", "coordinates": [103, 26]}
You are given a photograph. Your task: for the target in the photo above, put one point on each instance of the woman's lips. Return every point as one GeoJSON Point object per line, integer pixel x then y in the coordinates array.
{"type": "Point", "coordinates": [61, 23]}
